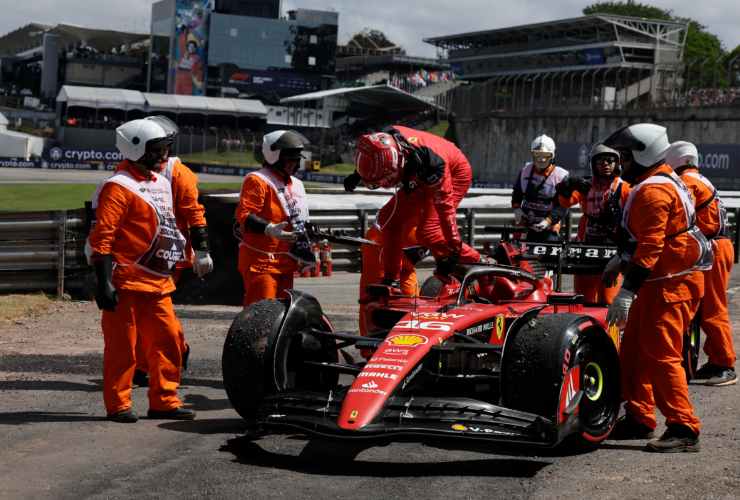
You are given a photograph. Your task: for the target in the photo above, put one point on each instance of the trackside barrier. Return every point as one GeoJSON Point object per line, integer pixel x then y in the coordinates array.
{"type": "Point", "coordinates": [43, 251]}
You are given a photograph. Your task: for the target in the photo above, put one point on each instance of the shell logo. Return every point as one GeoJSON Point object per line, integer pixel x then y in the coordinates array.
{"type": "Point", "coordinates": [408, 340]}
{"type": "Point", "coordinates": [459, 427]}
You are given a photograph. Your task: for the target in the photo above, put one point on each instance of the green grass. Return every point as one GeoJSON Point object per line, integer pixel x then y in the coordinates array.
{"type": "Point", "coordinates": [43, 197]}
{"type": "Point", "coordinates": [440, 129]}
{"type": "Point", "coordinates": [235, 158]}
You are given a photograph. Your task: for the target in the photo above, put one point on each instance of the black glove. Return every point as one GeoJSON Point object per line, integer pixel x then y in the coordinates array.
{"type": "Point", "coordinates": [582, 185]}
{"type": "Point", "coordinates": [199, 238]}
{"type": "Point", "coordinates": [446, 265]}
{"type": "Point", "coordinates": [351, 181]}
{"type": "Point", "coordinates": [572, 183]}
{"type": "Point", "coordinates": [105, 294]}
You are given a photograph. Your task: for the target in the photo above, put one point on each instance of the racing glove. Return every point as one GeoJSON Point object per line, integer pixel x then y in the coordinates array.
{"type": "Point", "coordinates": [619, 309]}
{"type": "Point", "coordinates": [105, 293]}
{"type": "Point", "coordinates": [278, 231]}
{"type": "Point", "coordinates": [542, 225]}
{"type": "Point", "coordinates": [203, 263]}
{"type": "Point", "coordinates": [352, 181]}
{"type": "Point", "coordinates": [519, 216]}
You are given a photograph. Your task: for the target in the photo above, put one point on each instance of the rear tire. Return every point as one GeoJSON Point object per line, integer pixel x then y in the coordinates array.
{"type": "Point", "coordinates": [262, 356]}
{"type": "Point", "coordinates": [692, 349]}
{"type": "Point", "coordinates": [539, 355]}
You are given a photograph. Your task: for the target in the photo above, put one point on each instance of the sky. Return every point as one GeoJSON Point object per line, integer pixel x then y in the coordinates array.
{"type": "Point", "coordinates": [404, 22]}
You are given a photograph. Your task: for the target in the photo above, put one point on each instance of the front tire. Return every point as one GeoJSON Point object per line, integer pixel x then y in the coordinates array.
{"type": "Point", "coordinates": [549, 360]}
{"type": "Point", "coordinates": [692, 349]}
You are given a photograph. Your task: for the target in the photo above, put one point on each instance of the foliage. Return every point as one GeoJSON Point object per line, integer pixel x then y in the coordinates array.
{"type": "Point", "coordinates": [703, 53]}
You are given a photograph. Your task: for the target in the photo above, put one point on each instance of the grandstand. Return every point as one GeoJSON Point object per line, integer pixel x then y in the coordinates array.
{"type": "Point", "coordinates": [603, 61]}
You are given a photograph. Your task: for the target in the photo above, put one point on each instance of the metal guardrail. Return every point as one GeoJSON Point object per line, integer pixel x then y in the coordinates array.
{"type": "Point", "coordinates": [43, 251]}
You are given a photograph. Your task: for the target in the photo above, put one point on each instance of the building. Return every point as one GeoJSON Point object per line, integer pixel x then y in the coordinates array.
{"type": "Point", "coordinates": [603, 60]}
{"type": "Point", "coordinates": [37, 59]}
{"type": "Point", "coordinates": [222, 52]}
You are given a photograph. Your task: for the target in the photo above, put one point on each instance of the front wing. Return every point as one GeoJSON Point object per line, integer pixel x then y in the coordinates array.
{"type": "Point", "coordinates": [317, 413]}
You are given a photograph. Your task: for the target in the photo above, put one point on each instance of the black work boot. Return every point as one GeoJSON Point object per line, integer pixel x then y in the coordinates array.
{"type": "Point", "coordinates": [677, 438]}
{"type": "Point", "coordinates": [124, 417]}
{"type": "Point", "coordinates": [174, 414]}
{"type": "Point", "coordinates": [714, 375]}
{"type": "Point", "coordinates": [628, 427]}
{"type": "Point", "coordinates": [140, 379]}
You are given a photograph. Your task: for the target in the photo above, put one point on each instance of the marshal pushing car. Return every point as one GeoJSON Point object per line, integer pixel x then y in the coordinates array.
{"type": "Point", "coordinates": [493, 353]}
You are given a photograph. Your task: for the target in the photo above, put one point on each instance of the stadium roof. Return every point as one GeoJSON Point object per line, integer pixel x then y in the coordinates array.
{"type": "Point", "coordinates": [101, 97]}
{"type": "Point", "coordinates": [374, 96]}
{"type": "Point", "coordinates": [562, 25]}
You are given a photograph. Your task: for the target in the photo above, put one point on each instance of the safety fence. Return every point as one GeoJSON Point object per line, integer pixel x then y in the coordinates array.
{"type": "Point", "coordinates": [43, 251]}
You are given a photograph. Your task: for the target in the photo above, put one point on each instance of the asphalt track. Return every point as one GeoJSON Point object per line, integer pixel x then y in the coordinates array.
{"type": "Point", "coordinates": [55, 443]}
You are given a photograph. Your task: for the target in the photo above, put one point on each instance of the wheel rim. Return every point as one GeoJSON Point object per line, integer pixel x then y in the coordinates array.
{"type": "Point", "coordinates": [593, 381]}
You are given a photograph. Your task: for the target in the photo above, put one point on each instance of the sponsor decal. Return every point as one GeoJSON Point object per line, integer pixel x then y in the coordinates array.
{"type": "Point", "coordinates": [415, 324]}
{"type": "Point", "coordinates": [459, 427]}
{"type": "Point", "coordinates": [410, 377]}
{"type": "Point", "coordinates": [574, 252]}
{"type": "Point", "coordinates": [370, 385]}
{"type": "Point", "coordinates": [391, 376]}
{"type": "Point", "coordinates": [407, 340]}
{"type": "Point", "coordinates": [615, 335]}
{"type": "Point", "coordinates": [368, 391]}
{"type": "Point", "coordinates": [436, 315]}
{"type": "Point", "coordinates": [483, 327]}
{"type": "Point", "coordinates": [413, 139]}
{"type": "Point", "coordinates": [394, 351]}
{"type": "Point", "coordinates": [353, 414]}
{"type": "Point", "coordinates": [500, 323]}
{"type": "Point", "coordinates": [399, 362]}
{"type": "Point", "coordinates": [477, 429]}
{"type": "Point", "coordinates": [378, 366]}
{"type": "Point", "coordinates": [14, 163]}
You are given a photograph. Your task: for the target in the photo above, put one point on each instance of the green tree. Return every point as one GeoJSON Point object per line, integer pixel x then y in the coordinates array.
{"type": "Point", "coordinates": [703, 52]}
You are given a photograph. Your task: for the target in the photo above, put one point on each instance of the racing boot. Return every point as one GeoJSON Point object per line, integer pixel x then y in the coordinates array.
{"type": "Point", "coordinates": [124, 417]}
{"type": "Point", "coordinates": [628, 427]}
{"type": "Point", "coordinates": [174, 414]}
{"type": "Point", "coordinates": [676, 439]}
{"type": "Point", "coordinates": [714, 375]}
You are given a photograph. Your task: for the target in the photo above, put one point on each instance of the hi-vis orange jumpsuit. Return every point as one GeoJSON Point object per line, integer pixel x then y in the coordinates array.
{"type": "Point", "coordinates": [396, 213]}
{"type": "Point", "coordinates": [592, 230]}
{"type": "Point", "coordinates": [126, 227]}
{"type": "Point", "coordinates": [713, 315]}
{"type": "Point", "coordinates": [264, 263]}
{"type": "Point", "coordinates": [656, 216]}
{"type": "Point", "coordinates": [188, 213]}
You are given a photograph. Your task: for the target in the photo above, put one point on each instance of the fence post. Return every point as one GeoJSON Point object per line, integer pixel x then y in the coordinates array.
{"type": "Point", "coordinates": [61, 250]}
{"type": "Point", "coordinates": [470, 221]}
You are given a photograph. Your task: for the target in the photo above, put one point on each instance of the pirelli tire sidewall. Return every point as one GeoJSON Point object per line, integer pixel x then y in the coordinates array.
{"type": "Point", "coordinates": [541, 353]}
{"type": "Point", "coordinates": [247, 356]}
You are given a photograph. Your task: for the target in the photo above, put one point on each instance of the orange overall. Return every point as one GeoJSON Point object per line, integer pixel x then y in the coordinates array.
{"type": "Point", "coordinates": [590, 231]}
{"type": "Point", "coordinates": [713, 315]}
{"type": "Point", "coordinates": [264, 263]}
{"type": "Point", "coordinates": [372, 256]}
{"type": "Point", "coordinates": [188, 213]}
{"type": "Point", "coordinates": [657, 216]}
{"type": "Point", "coordinates": [125, 228]}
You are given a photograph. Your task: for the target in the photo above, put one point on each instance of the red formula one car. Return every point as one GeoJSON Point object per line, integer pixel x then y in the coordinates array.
{"type": "Point", "coordinates": [496, 354]}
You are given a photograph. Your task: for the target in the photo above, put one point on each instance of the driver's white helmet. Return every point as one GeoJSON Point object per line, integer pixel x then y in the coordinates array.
{"type": "Point", "coordinates": [133, 136]}
{"type": "Point", "coordinates": [682, 153]}
{"type": "Point", "coordinates": [543, 143]}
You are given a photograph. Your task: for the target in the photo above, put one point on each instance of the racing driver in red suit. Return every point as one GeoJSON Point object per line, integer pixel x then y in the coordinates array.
{"type": "Point", "coordinates": [430, 168]}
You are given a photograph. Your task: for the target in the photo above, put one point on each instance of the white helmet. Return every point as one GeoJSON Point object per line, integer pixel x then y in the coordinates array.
{"type": "Point", "coordinates": [647, 142]}
{"type": "Point", "coordinates": [682, 153]}
{"type": "Point", "coordinates": [132, 137]}
{"type": "Point", "coordinates": [282, 145]}
{"type": "Point", "coordinates": [168, 125]}
{"type": "Point", "coordinates": [544, 144]}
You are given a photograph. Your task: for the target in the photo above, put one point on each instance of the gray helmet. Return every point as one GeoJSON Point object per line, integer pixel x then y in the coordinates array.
{"type": "Point", "coordinates": [603, 150]}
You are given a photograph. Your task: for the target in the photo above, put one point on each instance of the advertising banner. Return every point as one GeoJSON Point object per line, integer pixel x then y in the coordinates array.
{"type": "Point", "coordinates": [188, 61]}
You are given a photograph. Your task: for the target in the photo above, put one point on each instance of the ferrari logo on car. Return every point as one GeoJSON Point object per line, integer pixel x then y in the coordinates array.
{"type": "Point", "coordinates": [408, 340]}
{"type": "Point", "coordinates": [353, 414]}
{"type": "Point", "coordinates": [500, 322]}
